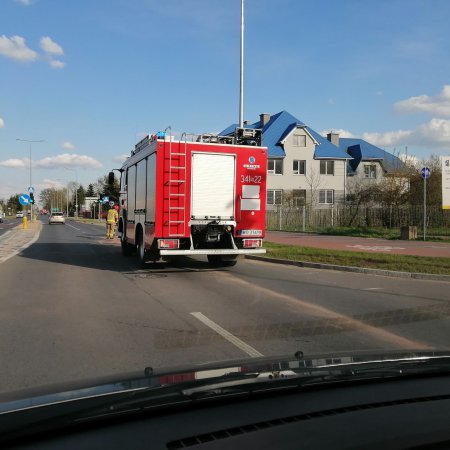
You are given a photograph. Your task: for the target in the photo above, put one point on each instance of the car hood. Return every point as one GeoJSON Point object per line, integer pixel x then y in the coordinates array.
{"type": "Point", "coordinates": [203, 374]}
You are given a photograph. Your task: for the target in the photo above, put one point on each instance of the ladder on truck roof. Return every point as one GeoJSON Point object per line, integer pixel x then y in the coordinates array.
{"type": "Point", "coordinates": [177, 187]}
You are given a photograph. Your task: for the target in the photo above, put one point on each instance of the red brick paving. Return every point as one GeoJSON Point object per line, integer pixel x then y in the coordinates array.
{"type": "Point", "coordinates": [355, 244]}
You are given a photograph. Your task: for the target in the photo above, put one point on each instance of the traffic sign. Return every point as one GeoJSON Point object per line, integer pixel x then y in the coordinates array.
{"type": "Point", "coordinates": [425, 173]}
{"type": "Point", "coordinates": [105, 199]}
{"type": "Point", "coordinates": [24, 199]}
{"type": "Point", "coordinates": [31, 190]}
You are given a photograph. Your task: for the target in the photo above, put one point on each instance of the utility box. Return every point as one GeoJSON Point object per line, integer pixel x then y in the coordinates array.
{"type": "Point", "coordinates": [408, 233]}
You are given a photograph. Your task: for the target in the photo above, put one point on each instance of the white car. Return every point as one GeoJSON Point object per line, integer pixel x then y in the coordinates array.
{"type": "Point", "coordinates": [56, 217]}
{"type": "Point", "coordinates": [19, 215]}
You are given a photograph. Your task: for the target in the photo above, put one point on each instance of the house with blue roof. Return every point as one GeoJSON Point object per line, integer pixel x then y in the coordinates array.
{"type": "Point", "coordinates": [307, 168]}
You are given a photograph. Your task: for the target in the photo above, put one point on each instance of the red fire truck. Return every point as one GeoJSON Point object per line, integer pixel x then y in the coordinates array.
{"type": "Point", "coordinates": [200, 195]}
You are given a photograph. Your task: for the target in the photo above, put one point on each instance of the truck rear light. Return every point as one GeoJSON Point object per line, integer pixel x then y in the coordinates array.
{"type": "Point", "coordinates": [169, 243]}
{"type": "Point", "coordinates": [252, 243]}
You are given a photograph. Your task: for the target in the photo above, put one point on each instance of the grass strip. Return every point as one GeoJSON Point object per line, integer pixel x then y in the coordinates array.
{"type": "Point", "coordinates": [88, 221]}
{"type": "Point", "coordinates": [400, 263]}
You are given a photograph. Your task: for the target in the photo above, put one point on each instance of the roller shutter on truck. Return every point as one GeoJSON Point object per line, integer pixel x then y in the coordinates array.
{"type": "Point", "coordinates": [213, 186]}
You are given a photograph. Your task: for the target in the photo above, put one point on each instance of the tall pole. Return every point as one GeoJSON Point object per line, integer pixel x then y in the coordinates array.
{"type": "Point", "coordinates": [241, 93]}
{"type": "Point", "coordinates": [76, 190]}
{"type": "Point", "coordinates": [424, 207]}
{"type": "Point", "coordinates": [30, 142]}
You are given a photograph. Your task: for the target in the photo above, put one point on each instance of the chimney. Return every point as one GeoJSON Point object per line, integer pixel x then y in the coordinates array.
{"type": "Point", "coordinates": [263, 119]}
{"type": "Point", "coordinates": [333, 138]}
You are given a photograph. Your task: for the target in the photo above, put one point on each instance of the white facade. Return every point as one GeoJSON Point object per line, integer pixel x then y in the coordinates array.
{"type": "Point", "coordinates": [301, 177]}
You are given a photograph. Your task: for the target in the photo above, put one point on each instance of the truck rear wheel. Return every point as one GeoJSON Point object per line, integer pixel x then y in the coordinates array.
{"type": "Point", "coordinates": [141, 250]}
{"type": "Point", "coordinates": [222, 261]}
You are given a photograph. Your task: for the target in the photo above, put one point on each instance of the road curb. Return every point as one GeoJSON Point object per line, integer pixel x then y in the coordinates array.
{"type": "Point", "coordinates": [379, 272]}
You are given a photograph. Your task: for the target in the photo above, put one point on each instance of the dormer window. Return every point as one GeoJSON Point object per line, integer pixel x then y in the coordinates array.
{"type": "Point", "coordinates": [299, 140]}
{"type": "Point", "coordinates": [370, 171]}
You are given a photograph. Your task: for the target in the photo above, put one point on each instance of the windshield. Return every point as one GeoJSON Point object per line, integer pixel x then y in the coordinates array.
{"type": "Point", "coordinates": [192, 228]}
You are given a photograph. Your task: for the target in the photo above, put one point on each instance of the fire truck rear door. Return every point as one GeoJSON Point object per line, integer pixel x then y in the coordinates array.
{"type": "Point", "coordinates": [213, 186]}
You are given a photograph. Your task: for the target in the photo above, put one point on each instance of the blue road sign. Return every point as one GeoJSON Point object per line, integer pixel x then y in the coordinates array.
{"type": "Point", "coordinates": [24, 199]}
{"type": "Point", "coordinates": [425, 173]}
{"type": "Point", "coordinates": [105, 199]}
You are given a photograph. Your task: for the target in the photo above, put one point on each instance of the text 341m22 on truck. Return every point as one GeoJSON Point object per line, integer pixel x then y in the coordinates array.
{"type": "Point", "coordinates": [199, 195]}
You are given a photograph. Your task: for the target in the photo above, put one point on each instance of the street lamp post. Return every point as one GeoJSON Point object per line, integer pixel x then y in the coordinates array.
{"type": "Point", "coordinates": [67, 196]}
{"type": "Point", "coordinates": [76, 189]}
{"type": "Point", "coordinates": [30, 142]}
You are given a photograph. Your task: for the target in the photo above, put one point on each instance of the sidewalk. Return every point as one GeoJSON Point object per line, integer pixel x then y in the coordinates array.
{"type": "Point", "coordinates": [356, 244]}
{"type": "Point", "coordinates": [14, 241]}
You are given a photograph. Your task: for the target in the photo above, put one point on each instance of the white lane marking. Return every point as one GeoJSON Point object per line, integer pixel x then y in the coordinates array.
{"type": "Point", "coordinates": [371, 289]}
{"type": "Point", "coordinates": [227, 335]}
{"type": "Point", "coordinates": [376, 248]}
{"type": "Point", "coordinates": [71, 226]}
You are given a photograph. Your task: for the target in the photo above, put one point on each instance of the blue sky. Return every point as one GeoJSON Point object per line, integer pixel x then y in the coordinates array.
{"type": "Point", "coordinates": [92, 77]}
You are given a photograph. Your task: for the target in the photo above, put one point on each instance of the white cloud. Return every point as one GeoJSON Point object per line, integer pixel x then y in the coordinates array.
{"type": "Point", "coordinates": [436, 130]}
{"type": "Point", "coordinates": [120, 158]}
{"type": "Point", "coordinates": [24, 2]}
{"type": "Point", "coordinates": [342, 133]}
{"type": "Point", "coordinates": [434, 134]}
{"type": "Point", "coordinates": [50, 46]}
{"type": "Point", "coordinates": [68, 160]}
{"type": "Point", "coordinates": [49, 183]}
{"type": "Point", "coordinates": [438, 104]}
{"type": "Point", "coordinates": [56, 64]}
{"type": "Point", "coordinates": [54, 162]}
{"type": "Point", "coordinates": [388, 138]}
{"type": "Point", "coordinates": [16, 48]}
{"type": "Point", "coordinates": [68, 145]}
{"type": "Point", "coordinates": [15, 163]}
{"type": "Point", "coordinates": [2, 123]}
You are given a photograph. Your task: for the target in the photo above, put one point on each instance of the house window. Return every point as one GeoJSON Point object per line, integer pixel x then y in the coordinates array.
{"type": "Point", "coordinates": [326, 196]}
{"type": "Point", "coordinates": [299, 167]}
{"type": "Point", "coordinates": [299, 197]}
{"type": "Point", "coordinates": [275, 166]}
{"type": "Point", "coordinates": [370, 171]}
{"type": "Point", "coordinates": [274, 196]}
{"type": "Point", "coordinates": [326, 167]}
{"type": "Point", "coordinates": [299, 140]}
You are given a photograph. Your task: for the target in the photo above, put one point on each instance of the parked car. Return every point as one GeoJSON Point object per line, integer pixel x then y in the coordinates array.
{"type": "Point", "coordinates": [19, 215]}
{"type": "Point", "coordinates": [56, 217]}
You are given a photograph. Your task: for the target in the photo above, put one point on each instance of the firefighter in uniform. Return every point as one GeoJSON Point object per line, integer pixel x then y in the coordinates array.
{"type": "Point", "coordinates": [111, 220]}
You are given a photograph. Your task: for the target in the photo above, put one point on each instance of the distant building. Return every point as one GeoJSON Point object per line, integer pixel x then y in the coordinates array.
{"type": "Point", "coordinates": [307, 168]}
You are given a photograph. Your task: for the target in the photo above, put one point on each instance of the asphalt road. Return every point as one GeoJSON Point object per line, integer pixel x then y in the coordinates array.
{"type": "Point", "coordinates": [72, 307]}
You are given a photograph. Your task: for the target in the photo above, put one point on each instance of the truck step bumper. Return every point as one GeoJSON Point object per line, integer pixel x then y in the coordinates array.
{"type": "Point", "coordinates": [207, 251]}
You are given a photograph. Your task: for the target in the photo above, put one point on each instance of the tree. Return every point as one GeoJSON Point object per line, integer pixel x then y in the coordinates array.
{"type": "Point", "coordinates": [104, 189]}
{"type": "Point", "coordinates": [361, 194]}
{"type": "Point", "coordinates": [14, 204]}
{"type": "Point", "coordinates": [90, 191]}
{"type": "Point", "coordinates": [434, 183]}
{"type": "Point", "coordinates": [314, 182]}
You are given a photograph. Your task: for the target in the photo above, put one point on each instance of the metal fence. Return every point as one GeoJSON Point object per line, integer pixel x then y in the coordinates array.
{"type": "Point", "coordinates": [310, 219]}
